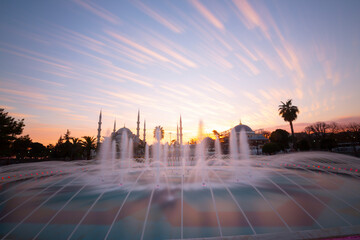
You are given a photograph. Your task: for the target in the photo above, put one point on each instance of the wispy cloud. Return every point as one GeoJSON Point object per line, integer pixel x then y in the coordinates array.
{"type": "Point", "coordinates": [177, 56]}
{"type": "Point", "coordinates": [248, 64]}
{"type": "Point", "coordinates": [137, 46]}
{"type": "Point", "coordinates": [33, 58]}
{"type": "Point", "coordinates": [156, 16]}
{"type": "Point", "coordinates": [130, 97]}
{"type": "Point", "coordinates": [99, 11]}
{"type": "Point", "coordinates": [252, 97]}
{"type": "Point", "coordinates": [26, 94]}
{"type": "Point", "coordinates": [173, 90]}
{"type": "Point", "coordinates": [54, 109]}
{"type": "Point", "coordinates": [207, 14]}
{"type": "Point", "coordinates": [218, 88]}
{"type": "Point", "coordinates": [23, 115]}
{"type": "Point", "coordinates": [6, 107]}
{"type": "Point", "coordinates": [250, 17]}
{"type": "Point", "coordinates": [40, 80]}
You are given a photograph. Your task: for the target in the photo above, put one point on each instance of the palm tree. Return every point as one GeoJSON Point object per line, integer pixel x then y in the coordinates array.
{"type": "Point", "coordinates": [88, 144]}
{"type": "Point", "coordinates": [161, 132]}
{"type": "Point", "coordinates": [76, 150]}
{"type": "Point", "coordinates": [289, 113]}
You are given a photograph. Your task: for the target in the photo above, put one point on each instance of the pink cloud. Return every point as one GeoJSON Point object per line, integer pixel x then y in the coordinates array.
{"type": "Point", "coordinates": [207, 14]}
{"type": "Point", "coordinates": [138, 46]}
{"type": "Point", "coordinates": [99, 11]}
{"type": "Point", "coordinates": [158, 17]}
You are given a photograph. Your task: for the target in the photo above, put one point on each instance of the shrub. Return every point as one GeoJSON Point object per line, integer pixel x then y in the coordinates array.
{"type": "Point", "coordinates": [270, 148]}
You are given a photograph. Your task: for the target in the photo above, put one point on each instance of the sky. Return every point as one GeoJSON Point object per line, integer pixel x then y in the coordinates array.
{"type": "Point", "coordinates": [221, 62]}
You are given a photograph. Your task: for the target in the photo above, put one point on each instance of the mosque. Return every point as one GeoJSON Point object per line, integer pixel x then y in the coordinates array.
{"type": "Point", "coordinates": [117, 134]}
{"type": "Point", "coordinates": [256, 139]}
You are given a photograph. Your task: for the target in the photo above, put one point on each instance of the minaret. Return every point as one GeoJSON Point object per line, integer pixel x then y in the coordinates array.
{"type": "Point", "coordinates": [99, 129]}
{"type": "Point", "coordinates": [138, 125]}
{"type": "Point", "coordinates": [181, 135]}
{"type": "Point", "coordinates": [144, 131]}
{"type": "Point", "coordinates": [114, 126]}
{"type": "Point", "coordinates": [177, 133]}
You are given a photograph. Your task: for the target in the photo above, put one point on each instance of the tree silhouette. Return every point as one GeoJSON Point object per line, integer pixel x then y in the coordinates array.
{"type": "Point", "coordinates": [162, 132]}
{"type": "Point", "coordinates": [9, 129]}
{"type": "Point", "coordinates": [88, 144]}
{"type": "Point", "coordinates": [289, 113]}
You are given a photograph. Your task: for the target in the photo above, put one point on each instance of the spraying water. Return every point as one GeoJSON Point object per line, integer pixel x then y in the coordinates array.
{"type": "Point", "coordinates": [244, 146]}
{"type": "Point", "coordinates": [165, 155]}
{"type": "Point", "coordinates": [123, 154]}
{"type": "Point", "coordinates": [130, 152]}
{"type": "Point", "coordinates": [113, 155]}
{"type": "Point", "coordinates": [157, 152]}
{"type": "Point", "coordinates": [147, 160]}
{"type": "Point", "coordinates": [105, 151]}
{"type": "Point", "coordinates": [218, 153]}
{"type": "Point", "coordinates": [200, 154]}
{"type": "Point", "coordinates": [233, 147]}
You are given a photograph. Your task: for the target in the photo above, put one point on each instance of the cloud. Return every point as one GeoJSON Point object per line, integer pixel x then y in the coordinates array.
{"type": "Point", "coordinates": [55, 109]}
{"type": "Point", "coordinates": [285, 51]}
{"type": "Point", "coordinates": [132, 98]}
{"type": "Point", "coordinates": [40, 80]}
{"type": "Point", "coordinates": [252, 97]}
{"type": "Point", "coordinates": [183, 60]}
{"type": "Point", "coordinates": [134, 79]}
{"type": "Point", "coordinates": [22, 115]}
{"type": "Point", "coordinates": [265, 94]}
{"type": "Point", "coordinates": [250, 17]}
{"type": "Point", "coordinates": [26, 94]}
{"type": "Point", "coordinates": [207, 14]}
{"type": "Point", "coordinates": [34, 58]}
{"type": "Point", "coordinates": [172, 89]}
{"type": "Point", "coordinates": [218, 88]}
{"type": "Point", "coordinates": [248, 64]}
{"type": "Point", "coordinates": [137, 46]}
{"type": "Point", "coordinates": [158, 17]}
{"type": "Point", "coordinates": [270, 62]}
{"type": "Point", "coordinates": [6, 107]}
{"type": "Point", "coordinates": [99, 11]}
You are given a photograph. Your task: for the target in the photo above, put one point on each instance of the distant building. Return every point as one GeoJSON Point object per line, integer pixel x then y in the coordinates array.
{"type": "Point", "coordinates": [256, 139]}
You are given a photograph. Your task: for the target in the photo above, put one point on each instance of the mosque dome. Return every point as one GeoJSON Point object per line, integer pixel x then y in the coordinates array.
{"type": "Point", "coordinates": [124, 129]}
{"type": "Point", "coordinates": [240, 127]}
{"type": "Point", "coordinates": [208, 140]}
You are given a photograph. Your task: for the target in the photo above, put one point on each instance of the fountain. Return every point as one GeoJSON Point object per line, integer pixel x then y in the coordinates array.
{"type": "Point", "coordinates": [181, 192]}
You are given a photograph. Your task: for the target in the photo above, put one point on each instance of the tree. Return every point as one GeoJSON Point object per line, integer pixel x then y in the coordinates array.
{"type": "Point", "coordinates": [21, 147]}
{"type": "Point", "coordinates": [353, 132]}
{"type": "Point", "coordinates": [162, 132]}
{"type": "Point", "coordinates": [9, 129]}
{"type": "Point", "coordinates": [88, 144]}
{"type": "Point", "coordinates": [281, 138]}
{"type": "Point", "coordinates": [303, 145]}
{"type": "Point", "coordinates": [270, 148]}
{"type": "Point", "coordinates": [76, 149]}
{"type": "Point", "coordinates": [63, 148]}
{"type": "Point", "coordinates": [319, 129]}
{"type": "Point", "coordinates": [38, 150]}
{"type": "Point", "coordinates": [323, 135]}
{"type": "Point", "coordinates": [289, 113]}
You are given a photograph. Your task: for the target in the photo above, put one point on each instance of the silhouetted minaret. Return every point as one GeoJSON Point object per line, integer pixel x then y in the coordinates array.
{"type": "Point", "coordinates": [99, 129]}
{"type": "Point", "coordinates": [114, 126]}
{"type": "Point", "coordinates": [144, 131]}
{"type": "Point", "coordinates": [181, 135]}
{"type": "Point", "coordinates": [138, 125]}
{"type": "Point", "coordinates": [177, 133]}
